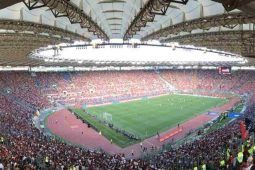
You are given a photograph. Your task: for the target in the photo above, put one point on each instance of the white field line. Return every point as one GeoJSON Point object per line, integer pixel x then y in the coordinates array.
{"type": "Point", "coordinates": [150, 97]}
{"type": "Point", "coordinates": [197, 95]}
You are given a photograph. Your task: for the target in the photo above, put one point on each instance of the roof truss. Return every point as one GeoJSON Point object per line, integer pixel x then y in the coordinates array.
{"type": "Point", "coordinates": [148, 13]}
{"type": "Point", "coordinates": [240, 41]}
{"type": "Point", "coordinates": [63, 8]}
{"type": "Point", "coordinates": [226, 20]}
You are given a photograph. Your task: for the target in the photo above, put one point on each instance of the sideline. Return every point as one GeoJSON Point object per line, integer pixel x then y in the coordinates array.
{"type": "Point", "coordinates": [129, 100]}
{"type": "Point", "coordinates": [197, 95]}
{"type": "Point", "coordinates": [150, 97]}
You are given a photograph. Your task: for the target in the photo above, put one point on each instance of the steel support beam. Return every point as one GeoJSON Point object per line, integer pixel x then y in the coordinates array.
{"type": "Point", "coordinates": [225, 20]}
{"type": "Point", "coordinates": [21, 26]}
{"type": "Point", "coordinates": [63, 8]}
{"type": "Point", "coordinates": [230, 5]}
{"type": "Point", "coordinates": [16, 46]}
{"type": "Point", "coordinates": [240, 42]}
{"type": "Point", "coordinates": [148, 13]}
{"type": "Point", "coordinates": [4, 4]}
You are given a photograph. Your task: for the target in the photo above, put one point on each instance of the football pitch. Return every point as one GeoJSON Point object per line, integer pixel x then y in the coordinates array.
{"type": "Point", "coordinates": [145, 117]}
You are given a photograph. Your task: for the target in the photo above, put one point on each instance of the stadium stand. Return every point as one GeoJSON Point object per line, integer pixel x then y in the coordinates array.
{"type": "Point", "coordinates": [100, 87]}
{"type": "Point", "coordinates": [22, 146]}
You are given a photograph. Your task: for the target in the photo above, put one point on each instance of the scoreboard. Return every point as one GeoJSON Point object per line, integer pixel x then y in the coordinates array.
{"type": "Point", "coordinates": [224, 70]}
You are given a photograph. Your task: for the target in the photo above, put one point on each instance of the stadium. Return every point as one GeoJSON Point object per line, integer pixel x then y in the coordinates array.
{"type": "Point", "coordinates": [127, 84]}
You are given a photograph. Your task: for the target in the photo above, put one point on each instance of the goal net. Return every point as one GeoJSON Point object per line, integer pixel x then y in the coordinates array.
{"type": "Point", "coordinates": [106, 117]}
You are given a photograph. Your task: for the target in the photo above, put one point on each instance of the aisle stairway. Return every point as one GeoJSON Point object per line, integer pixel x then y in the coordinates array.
{"type": "Point", "coordinates": [169, 86]}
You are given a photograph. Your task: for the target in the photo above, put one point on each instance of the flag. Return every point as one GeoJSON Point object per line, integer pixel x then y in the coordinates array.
{"type": "Point", "coordinates": [243, 130]}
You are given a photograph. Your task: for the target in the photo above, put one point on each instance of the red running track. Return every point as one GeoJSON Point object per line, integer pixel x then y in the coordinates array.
{"type": "Point", "coordinates": [64, 124]}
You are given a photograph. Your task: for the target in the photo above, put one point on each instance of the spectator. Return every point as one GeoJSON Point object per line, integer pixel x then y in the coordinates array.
{"type": "Point", "coordinates": [25, 147]}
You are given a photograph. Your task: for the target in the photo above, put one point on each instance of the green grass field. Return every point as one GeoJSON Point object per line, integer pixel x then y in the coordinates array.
{"type": "Point", "coordinates": [146, 117]}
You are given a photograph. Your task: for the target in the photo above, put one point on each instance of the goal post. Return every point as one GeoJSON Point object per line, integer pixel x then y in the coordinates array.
{"type": "Point", "coordinates": [106, 116]}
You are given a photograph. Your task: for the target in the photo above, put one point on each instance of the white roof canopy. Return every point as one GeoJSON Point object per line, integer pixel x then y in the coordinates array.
{"type": "Point", "coordinates": [115, 16]}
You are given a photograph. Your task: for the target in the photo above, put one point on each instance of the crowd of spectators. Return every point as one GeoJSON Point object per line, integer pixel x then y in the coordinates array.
{"type": "Point", "coordinates": [23, 146]}
{"type": "Point", "coordinates": [210, 80]}
{"type": "Point", "coordinates": [99, 87]}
